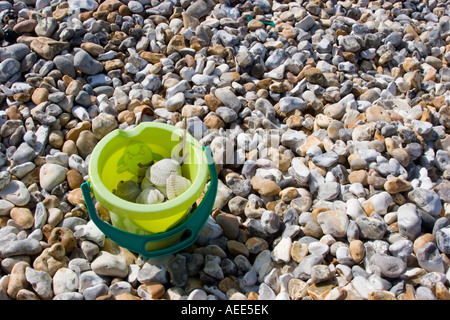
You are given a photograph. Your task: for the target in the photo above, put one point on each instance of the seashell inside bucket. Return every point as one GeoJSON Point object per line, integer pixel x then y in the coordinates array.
{"type": "Point", "coordinates": [150, 196]}
{"type": "Point", "coordinates": [127, 190]}
{"type": "Point", "coordinates": [160, 171]}
{"type": "Point", "coordinates": [176, 185]}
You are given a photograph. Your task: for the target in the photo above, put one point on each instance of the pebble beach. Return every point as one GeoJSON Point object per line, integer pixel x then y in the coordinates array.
{"type": "Point", "coordinates": [329, 123]}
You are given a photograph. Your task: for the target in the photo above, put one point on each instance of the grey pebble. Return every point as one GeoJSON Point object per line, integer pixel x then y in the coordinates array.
{"type": "Point", "coordinates": [29, 246]}
{"type": "Point", "coordinates": [8, 68]}
{"type": "Point", "coordinates": [152, 273]}
{"type": "Point", "coordinates": [388, 266]}
{"type": "Point", "coordinates": [69, 296]}
{"type": "Point", "coordinates": [429, 258]}
{"type": "Point", "coordinates": [15, 192]}
{"type": "Point", "coordinates": [41, 282]}
{"type": "Point", "coordinates": [409, 221]}
{"type": "Point", "coordinates": [96, 291]}
{"type": "Point", "coordinates": [177, 270]}
{"type": "Point", "coordinates": [86, 64]}
{"type": "Point", "coordinates": [443, 240]}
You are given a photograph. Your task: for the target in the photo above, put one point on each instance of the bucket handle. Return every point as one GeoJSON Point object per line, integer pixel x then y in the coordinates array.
{"type": "Point", "coordinates": [137, 243]}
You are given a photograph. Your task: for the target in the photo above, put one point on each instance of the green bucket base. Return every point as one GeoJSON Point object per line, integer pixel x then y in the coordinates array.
{"type": "Point", "coordinates": [165, 243]}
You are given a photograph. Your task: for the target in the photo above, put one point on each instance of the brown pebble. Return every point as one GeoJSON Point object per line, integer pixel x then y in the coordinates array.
{"type": "Point", "coordinates": [252, 295]}
{"type": "Point", "coordinates": [357, 250]}
{"type": "Point", "coordinates": [237, 248]}
{"type": "Point", "coordinates": [256, 245]}
{"type": "Point", "coordinates": [13, 113]}
{"type": "Point", "coordinates": [74, 179]}
{"type": "Point", "coordinates": [230, 225]}
{"type": "Point", "coordinates": [23, 217]}
{"type": "Point", "coordinates": [127, 296]}
{"type": "Point", "coordinates": [25, 294]}
{"type": "Point", "coordinates": [381, 295]}
{"type": "Point", "coordinates": [25, 26]}
{"type": "Point", "coordinates": [212, 102]}
{"type": "Point", "coordinates": [75, 197]}
{"type": "Point", "coordinates": [396, 185]}
{"type": "Point", "coordinates": [40, 95]}
{"type": "Point", "coordinates": [106, 297]}
{"type": "Point", "coordinates": [213, 121]}
{"type": "Point", "coordinates": [228, 283]}
{"type": "Point", "coordinates": [92, 48]}
{"type": "Point", "coordinates": [17, 279]}
{"type": "Point", "coordinates": [265, 187]}
{"type": "Point", "coordinates": [155, 290]}
{"type": "Point", "coordinates": [56, 139]}
{"type": "Point", "coordinates": [69, 147]}
{"type": "Point", "coordinates": [64, 236]}
{"type": "Point", "coordinates": [408, 294]}
{"type": "Point", "coordinates": [57, 251]}
{"type": "Point", "coordinates": [402, 156]}
{"type": "Point", "coordinates": [442, 292]}
{"type": "Point", "coordinates": [358, 176]}
{"type": "Point", "coordinates": [74, 133]}
{"type": "Point", "coordinates": [299, 251]}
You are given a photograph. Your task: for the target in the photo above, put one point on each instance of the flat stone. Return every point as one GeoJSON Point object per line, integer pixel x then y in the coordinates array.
{"type": "Point", "coordinates": [381, 202]}
{"type": "Point", "coordinates": [103, 124]}
{"type": "Point", "coordinates": [65, 280]}
{"type": "Point", "coordinates": [89, 232]}
{"type": "Point", "coordinates": [228, 98]}
{"type": "Point", "coordinates": [265, 187]}
{"type": "Point", "coordinates": [396, 185]}
{"type": "Point", "coordinates": [177, 270]}
{"type": "Point", "coordinates": [86, 64]}
{"type": "Point", "coordinates": [371, 228]}
{"type": "Point", "coordinates": [23, 217]}
{"type": "Point", "coordinates": [409, 221]}
{"type": "Point", "coordinates": [325, 160]}
{"type": "Point", "coordinates": [86, 143]}
{"type": "Point", "coordinates": [426, 200]}
{"type": "Point", "coordinates": [333, 223]}
{"type": "Point", "coordinates": [41, 282]}
{"type": "Point", "coordinates": [16, 193]}
{"type": "Point", "coordinates": [51, 175]}
{"type": "Point", "coordinates": [329, 191]}
{"type": "Point", "coordinates": [228, 115]}
{"type": "Point", "coordinates": [429, 258]}
{"type": "Point", "coordinates": [8, 68]}
{"type": "Point", "coordinates": [443, 240]}
{"type": "Point", "coordinates": [29, 246]}
{"type": "Point", "coordinates": [388, 266]}
{"type": "Point", "coordinates": [48, 48]}
{"type": "Point", "coordinates": [107, 264]}
{"type": "Point", "coordinates": [24, 153]}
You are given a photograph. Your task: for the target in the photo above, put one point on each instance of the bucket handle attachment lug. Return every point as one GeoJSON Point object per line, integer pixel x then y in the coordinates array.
{"type": "Point", "coordinates": [137, 243]}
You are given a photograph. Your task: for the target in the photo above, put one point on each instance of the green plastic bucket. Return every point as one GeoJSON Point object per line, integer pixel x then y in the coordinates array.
{"type": "Point", "coordinates": [149, 229]}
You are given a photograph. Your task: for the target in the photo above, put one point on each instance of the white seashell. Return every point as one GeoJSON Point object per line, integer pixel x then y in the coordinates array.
{"type": "Point", "coordinates": [162, 169]}
{"type": "Point", "coordinates": [150, 196]}
{"type": "Point", "coordinates": [176, 185]}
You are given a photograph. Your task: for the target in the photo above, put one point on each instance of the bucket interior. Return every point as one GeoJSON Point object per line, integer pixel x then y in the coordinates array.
{"type": "Point", "coordinates": [116, 158]}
